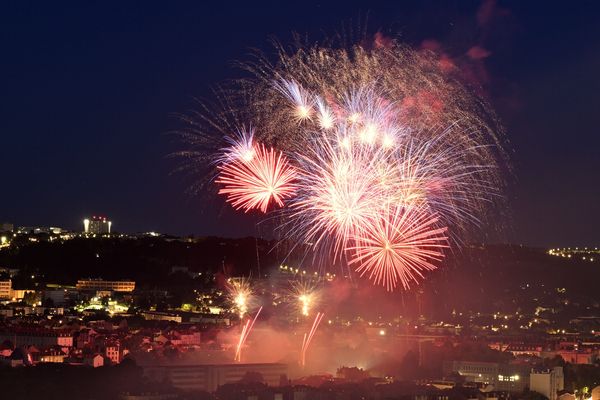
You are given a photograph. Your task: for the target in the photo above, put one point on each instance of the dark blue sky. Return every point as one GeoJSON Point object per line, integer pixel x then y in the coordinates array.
{"type": "Point", "coordinates": [89, 88]}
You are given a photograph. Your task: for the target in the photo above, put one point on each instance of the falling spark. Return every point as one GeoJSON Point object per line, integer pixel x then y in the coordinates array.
{"type": "Point", "coordinates": [241, 147]}
{"type": "Point", "coordinates": [244, 335]}
{"type": "Point", "coordinates": [308, 338]}
{"type": "Point", "coordinates": [326, 117]}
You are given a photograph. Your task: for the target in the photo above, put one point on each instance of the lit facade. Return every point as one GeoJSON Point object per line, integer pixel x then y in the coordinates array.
{"type": "Point", "coordinates": [97, 225]}
{"type": "Point", "coordinates": [5, 289]}
{"type": "Point", "coordinates": [99, 285]}
{"type": "Point", "coordinates": [37, 337]}
{"type": "Point", "coordinates": [161, 316]}
{"type": "Point", "coordinates": [503, 377]}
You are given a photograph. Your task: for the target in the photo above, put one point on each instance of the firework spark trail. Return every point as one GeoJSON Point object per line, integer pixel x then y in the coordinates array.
{"type": "Point", "coordinates": [238, 351]}
{"type": "Point", "coordinates": [241, 147]}
{"type": "Point", "coordinates": [300, 99]}
{"type": "Point", "coordinates": [326, 116]}
{"type": "Point", "coordinates": [388, 158]}
{"type": "Point", "coordinates": [244, 335]}
{"type": "Point", "coordinates": [308, 338]}
{"type": "Point", "coordinates": [398, 246]}
{"type": "Point", "coordinates": [339, 190]}
{"type": "Point", "coordinates": [255, 183]}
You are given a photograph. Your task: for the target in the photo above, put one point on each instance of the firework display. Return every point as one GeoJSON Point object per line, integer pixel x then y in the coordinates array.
{"type": "Point", "coordinates": [370, 155]}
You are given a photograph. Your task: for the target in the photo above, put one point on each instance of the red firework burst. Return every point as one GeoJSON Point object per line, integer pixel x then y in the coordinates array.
{"type": "Point", "coordinates": [254, 183]}
{"type": "Point", "coordinates": [398, 245]}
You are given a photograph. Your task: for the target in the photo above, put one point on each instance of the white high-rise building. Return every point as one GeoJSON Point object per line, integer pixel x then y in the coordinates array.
{"type": "Point", "coordinates": [97, 224]}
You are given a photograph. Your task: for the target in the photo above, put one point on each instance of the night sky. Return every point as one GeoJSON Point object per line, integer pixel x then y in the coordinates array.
{"type": "Point", "coordinates": [89, 90]}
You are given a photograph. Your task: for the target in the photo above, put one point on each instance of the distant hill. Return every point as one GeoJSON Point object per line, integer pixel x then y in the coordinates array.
{"type": "Point", "coordinates": [509, 278]}
{"type": "Point", "coordinates": [486, 278]}
{"type": "Point", "coordinates": [146, 260]}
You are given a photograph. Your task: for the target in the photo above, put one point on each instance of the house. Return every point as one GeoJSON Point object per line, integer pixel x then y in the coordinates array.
{"type": "Point", "coordinates": [95, 360]}
{"type": "Point", "coordinates": [85, 337]}
{"type": "Point", "coordinates": [114, 351]}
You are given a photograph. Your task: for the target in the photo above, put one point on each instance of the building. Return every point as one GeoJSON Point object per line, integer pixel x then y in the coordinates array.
{"type": "Point", "coordinates": [6, 289]}
{"type": "Point", "coordinates": [8, 293]}
{"type": "Point", "coordinates": [184, 338]}
{"type": "Point", "coordinates": [100, 285]}
{"type": "Point", "coordinates": [502, 377]}
{"type": "Point", "coordinates": [12, 272]}
{"type": "Point", "coordinates": [6, 312]}
{"type": "Point", "coordinates": [596, 393]}
{"type": "Point", "coordinates": [38, 337]}
{"type": "Point", "coordinates": [518, 349]}
{"type": "Point", "coordinates": [50, 355]}
{"type": "Point", "coordinates": [59, 297]}
{"type": "Point", "coordinates": [580, 356]}
{"type": "Point", "coordinates": [6, 227]}
{"type": "Point", "coordinates": [97, 225]}
{"type": "Point", "coordinates": [94, 361]}
{"type": "Point", "coordinates": [25, 230]}
{"type": "Point", "coordinates": [574, 352]}
{"type": "Point", "coordinates": [36, 230]}
{"type": "Point", "coordinates": [209, 377]}
{"type": "Point", "coordinates": [547, 382]}
{"type": "Point", "coordinates": [85, 337]}
{"type": "Point", "coordinates": [161, 316]}
{"type": "Point", "coordinates": [210, 319]}
{"type": "Point", "coordinates": [114, 352]}
{"type": "Point", "coordinates": [18, 294]}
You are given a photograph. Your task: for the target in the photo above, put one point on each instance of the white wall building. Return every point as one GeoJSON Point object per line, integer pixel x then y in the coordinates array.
{"type": "Point", "coordinates": [547, 382]}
